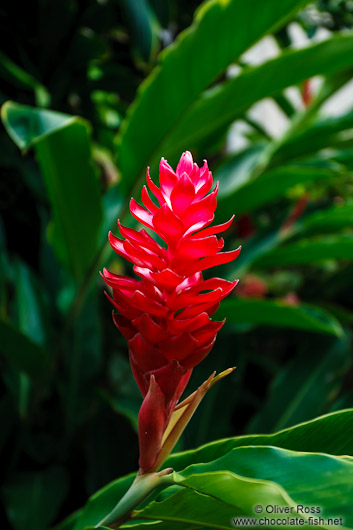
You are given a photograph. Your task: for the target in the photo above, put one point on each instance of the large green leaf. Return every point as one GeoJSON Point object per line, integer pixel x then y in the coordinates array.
{"type": "Point", "coordinates": [265, 477]}
{"type": "Point", "coordinates": [221, 32]}
{"type": "Point", "coordinates": [332, 434]}
{"type": "Point", "coordinates": [62, 147]}
{"type": "Point", "coordinates": [299, 474]}
{"type": "Point", "coordinates": [279, 314]}
{"type": "Point", "coordinates": [220, 106]}
{"type": "Point", "coordinates": [309, 251]}
{"type": "Point", "coordinates": [216, 498]}
{"type": "Point", "coordinates": [189, 507]}
{"type": "Point", "coordinates": [307, 385]}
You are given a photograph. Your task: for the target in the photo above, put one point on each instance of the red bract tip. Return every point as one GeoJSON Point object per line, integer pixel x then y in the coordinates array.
{"type": "Point", "coordinates": [165, 313]}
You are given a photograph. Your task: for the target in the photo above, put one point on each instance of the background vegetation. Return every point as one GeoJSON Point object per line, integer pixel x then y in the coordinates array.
{"type": "Point", "coordinates": [130, 81]}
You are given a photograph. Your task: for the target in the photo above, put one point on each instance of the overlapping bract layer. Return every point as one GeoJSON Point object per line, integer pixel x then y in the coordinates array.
{"type": "Point", "coordinates": [165, 314]}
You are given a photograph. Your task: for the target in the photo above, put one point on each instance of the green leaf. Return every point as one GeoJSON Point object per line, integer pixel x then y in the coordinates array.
{"type": "Point", "coordinates": [138, 19]}
{"type": "Point", "coordinates": [299, 474]}
{"type": "Point", "coordinates": [95, 527]}
{"type": "Point", "coordinates": [32, 310]}
{"type": "Point", "coordinates": [328, 220]}
{"type": "Point", "coordinates": [218, 491]}
{"type": "Point", "coordinates": [161, 525]}
{"type": "Point", "coordinates": [21, 352]}
{"type": "Point", "coordinates": [168, 92]}
{"type": "Point", "coordinates": [216, 499]}
{"type": "Point", "coordinates": [270, 186]}
{"type": "Point", "coordinates": [332, 434]}
{"type": "Point", "coordinates": [33, 499]}
{"type": "Point", "coordinates": [238, 171]}
{"type": "Point", "coordinates": [220, 106]}
{"type": "Point", "coordinates": [309, 251]}
{"type": "Point", "coordinates": [306, 386]}
{"type": "Point", "coordinates": [12, 73]}
{"type": "Point", "coordinates": [324, 132]}
{"type": "Point", "coordinates": [345, 157]}
{"type": "Point", "coordinates": [279, 314]}
{"type": "Point", "coordinates": [62, 147]}
{"type": "Point", "coordinates": [28, 125]}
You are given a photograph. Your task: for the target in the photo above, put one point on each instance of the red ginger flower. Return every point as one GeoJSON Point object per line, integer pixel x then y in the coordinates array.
{"type": "Point", "coordinates": [165, 315]}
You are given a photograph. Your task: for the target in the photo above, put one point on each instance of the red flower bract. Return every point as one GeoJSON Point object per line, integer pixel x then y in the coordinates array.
{"type": "Point", "coordinates": [165, 314]}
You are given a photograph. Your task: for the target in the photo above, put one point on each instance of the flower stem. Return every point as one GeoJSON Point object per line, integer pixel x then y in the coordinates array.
{"type": "Point", "coordinates": [139, 490]}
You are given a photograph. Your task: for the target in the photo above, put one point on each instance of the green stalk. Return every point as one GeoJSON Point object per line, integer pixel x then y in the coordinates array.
{"type": "Point", "coordinates": [140, 489]}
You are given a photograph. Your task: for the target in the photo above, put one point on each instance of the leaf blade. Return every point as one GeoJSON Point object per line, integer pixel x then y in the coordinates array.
{"type": "Point", "coordinates": [276, 313]}
{"type": "Point", "coordinates": [62, 147]}
{"type": "Point", "coordinates": [204, 59]}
